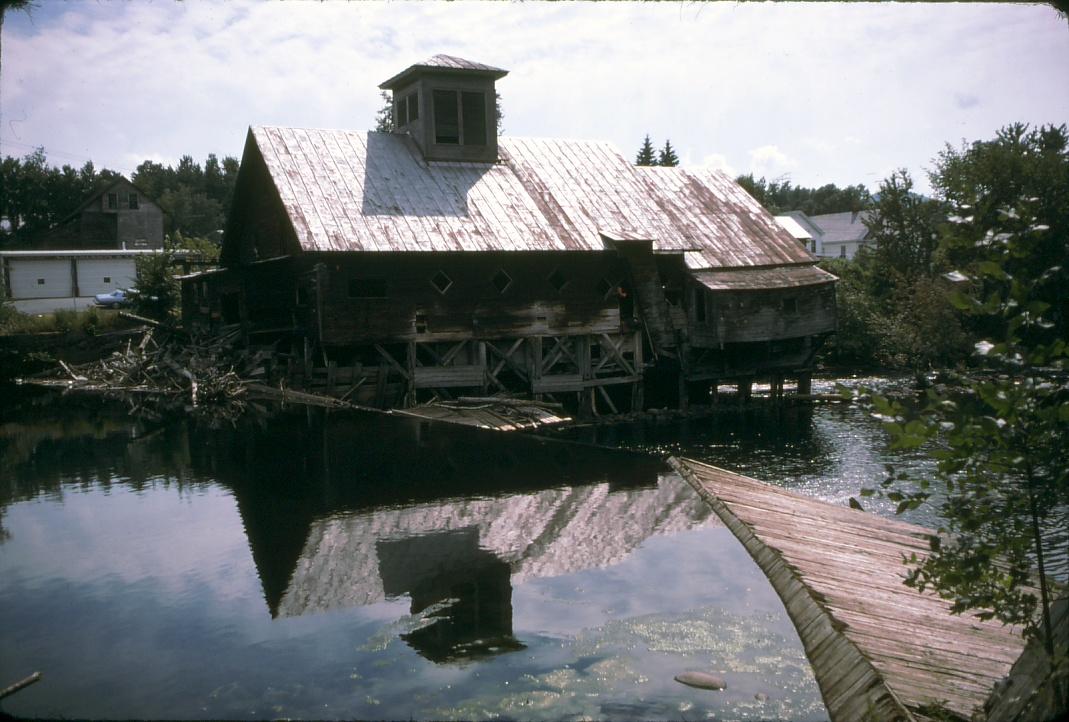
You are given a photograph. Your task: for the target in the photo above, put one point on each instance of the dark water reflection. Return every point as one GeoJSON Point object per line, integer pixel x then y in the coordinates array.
{"type": "Point", "coordinates": [338, 566]}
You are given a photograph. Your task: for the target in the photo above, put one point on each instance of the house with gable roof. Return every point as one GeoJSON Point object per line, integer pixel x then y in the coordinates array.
{"type": "Point", "coordinates": [440, 259]}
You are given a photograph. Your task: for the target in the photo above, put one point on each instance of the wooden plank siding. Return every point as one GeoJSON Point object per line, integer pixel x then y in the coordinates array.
{"type": "Point", "coordinates": [472, 307]}
{"type": "Point", "coordinates": [879, 650]}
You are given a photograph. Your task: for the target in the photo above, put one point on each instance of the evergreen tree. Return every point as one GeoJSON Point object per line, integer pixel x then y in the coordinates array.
{"type": "Point", "coordinates": [667, 156]}
{"type": "Point", "coordinates": [384, 118]}
{"type": "Point", "coordinates": [646, 154]}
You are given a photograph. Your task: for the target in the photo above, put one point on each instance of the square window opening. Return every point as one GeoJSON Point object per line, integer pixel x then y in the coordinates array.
{"type": "Point", "coordinates": [441, 282]}
{"type": "Point", "coordinates": [107, 279]}
{"type": "Point", "coordinates": [473, 106]}
{"type": "Point", "coordinates": [790, 305]}
{"type": "Point", "coordinates": [605, 288]}
{"type": "Point", "coordinates": [446, 117]}
{"type": "Point", "coordinates": [502, 280]}
{"type": "Point", "coordinates": [558, 280]}
{"type": "Point", "coordinates": [40, 281]}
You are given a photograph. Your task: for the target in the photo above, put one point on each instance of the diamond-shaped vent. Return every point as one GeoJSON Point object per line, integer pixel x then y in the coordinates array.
{"type": "Point", "coordinates": [558, 279]}
{"type": "Point", "coordinates": [604, 287]}
{"type": "Point", "coordinates": [441, 282]}
{"type": "Point", "coordinates": [502, 280]}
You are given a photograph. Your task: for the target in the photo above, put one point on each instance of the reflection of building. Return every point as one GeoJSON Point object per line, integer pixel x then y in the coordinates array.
{"type": "Point", "coordinates": [349, 511]}
{"type": "Point", "coordinates": [471, 584]}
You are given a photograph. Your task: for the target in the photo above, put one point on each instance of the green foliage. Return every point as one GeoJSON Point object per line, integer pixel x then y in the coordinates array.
{"type": "Point", "coordinates": [667, 155]}
{"type": "Point", "coordinates": [905, 228]}
{"type": "Point", "coordinates": [158, 292]}
{"type": "Point", "coordinates": [1001, 441]}
{"type": "Point", "coordinates": [646, 154]}
{"type": "Point", "coordinates": [203, 250]}
{"type": "Point", "coordinates": [89, 321]}
{"type": "Point", "coordinates": [196, 200]}
{"type": "Point", "coordinates": [35, 196]}
{"type": "Point", "coordinates": [384, 116]}
{"type": "Point", "coordinates": [998, 187]}
{"type": "Point", "coordinates": [779, 196]}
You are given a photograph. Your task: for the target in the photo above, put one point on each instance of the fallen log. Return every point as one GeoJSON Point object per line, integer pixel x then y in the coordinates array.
{"type": "Point", "coordinates": [21, 684]}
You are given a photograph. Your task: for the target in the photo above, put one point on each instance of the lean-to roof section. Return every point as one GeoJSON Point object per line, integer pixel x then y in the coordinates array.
{"type": "Point", "coordinates": [732, 228]}
{"type": "Point", "coordinates": [359, 191]}
{"type": "Point", "coordinates": [747, 279]}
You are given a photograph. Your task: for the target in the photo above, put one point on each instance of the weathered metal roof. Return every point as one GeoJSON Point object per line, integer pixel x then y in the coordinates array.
{"type": "Point", "coordinates": [744, 279]}
{"type": "Point", "coordinates": [446, 63]}
{"type": "Point", "coordinates": [839, 227]}
{"type": "Point", "coordinates": [360, 191]}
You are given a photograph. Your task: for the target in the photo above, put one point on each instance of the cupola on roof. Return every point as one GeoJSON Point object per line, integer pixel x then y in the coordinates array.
{"type": "Point", "coordinates": [444, 64]}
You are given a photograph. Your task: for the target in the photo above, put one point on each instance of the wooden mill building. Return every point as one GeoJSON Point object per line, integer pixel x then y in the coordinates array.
{"type": "Point", "coordinates": [440, 259]}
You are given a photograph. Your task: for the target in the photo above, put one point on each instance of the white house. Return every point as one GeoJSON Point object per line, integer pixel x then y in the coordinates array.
{"type": "Point", "coordinates": [843, 234]}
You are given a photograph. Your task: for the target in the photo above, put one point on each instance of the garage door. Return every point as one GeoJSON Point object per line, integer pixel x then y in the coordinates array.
{"type": "Point", "coordinates": [100, 275]}
{"type": "Point", "coordinates": [39, 278]}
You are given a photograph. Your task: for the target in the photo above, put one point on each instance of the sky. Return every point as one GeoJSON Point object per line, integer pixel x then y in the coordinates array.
{"type": "Point", "coordinates": [813, 93]}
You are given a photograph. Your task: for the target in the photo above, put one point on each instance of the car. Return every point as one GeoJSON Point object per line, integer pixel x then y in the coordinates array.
{"type": "Point", "coordinates": [115, 299]}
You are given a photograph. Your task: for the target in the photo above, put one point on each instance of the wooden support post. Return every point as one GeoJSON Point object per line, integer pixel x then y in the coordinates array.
{"type": "Point", "coordinates": [332, 375]}
{"type": "Point", "coordinates": [481, 361]}
{"type": "Point", "coordinates": [714, 392]}
{"type": "Point", "coordinates": [307, 362]}
{"type": "Point", "coordinates": [805, 383]}
{"type": "Point", "coordinates": [380, 384]}
{"type": "Point", "coordinates": [684, 395]}
{"type": "Point", "coordinates": [410, 392]}
{"type": "Point", "coordinates": [534, 362]}
{"type": "Point", "coordinates": [745, 390]}
{"type": "Point", "coordinates": [638, 390]}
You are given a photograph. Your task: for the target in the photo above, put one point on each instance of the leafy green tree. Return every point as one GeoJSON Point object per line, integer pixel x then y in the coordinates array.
{"type": "Point", "coordinates": [905, 228]}
{"type": "Point", "coordinates": [384, 116]}
{"type": "Point", "coordinates": [986, 180]}
{"type": "Point", "coordinates": [647, 155]}
{"type": "Point", "coordinates": [1001, 440]}
{"type": "Point", "coordinates": [667, 155]}
{"type": "Point", "coordinates": [779, 196]}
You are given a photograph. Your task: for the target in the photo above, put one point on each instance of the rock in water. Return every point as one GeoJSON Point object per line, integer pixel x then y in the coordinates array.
{"type": "Point", "coordinates": [701, 680]}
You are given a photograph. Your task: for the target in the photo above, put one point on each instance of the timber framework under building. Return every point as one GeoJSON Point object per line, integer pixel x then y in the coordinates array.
{"type": "Point", "coordinates": [439, 260]}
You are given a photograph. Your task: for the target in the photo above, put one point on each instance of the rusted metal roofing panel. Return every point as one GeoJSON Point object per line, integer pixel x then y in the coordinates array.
{"type": "Point", "coordinates": [359, 191]}
{"type": "Point", "coordinates": [732, 227]}
{"type": "Point", "coordinates": [753, 279]}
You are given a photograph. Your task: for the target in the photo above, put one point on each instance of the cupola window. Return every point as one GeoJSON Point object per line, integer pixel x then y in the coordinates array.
{"type": "Point", "coordinates": [459, 117]}
{"type": "Point", "coordinates": [407, 109]}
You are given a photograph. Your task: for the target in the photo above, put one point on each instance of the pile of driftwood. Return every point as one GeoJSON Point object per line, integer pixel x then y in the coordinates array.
{"type": "Point", "coordinates": [167, 368]}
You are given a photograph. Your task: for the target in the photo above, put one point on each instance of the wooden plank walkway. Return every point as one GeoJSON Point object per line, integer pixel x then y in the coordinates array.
{"type": "Point", "coordinates": [879, 650]}
{"type": "Point", "coordinates": [501, 415]}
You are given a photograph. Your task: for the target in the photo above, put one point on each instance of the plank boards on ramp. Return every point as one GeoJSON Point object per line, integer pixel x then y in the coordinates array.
{"type": "Point", "coordinates": [879, 649]}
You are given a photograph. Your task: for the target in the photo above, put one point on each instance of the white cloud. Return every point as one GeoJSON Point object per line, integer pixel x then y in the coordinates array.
{"type": "Point", "coordinates": [785, 87]}
{"type": "Point", "coordinates": [769, 161]}
{"type": "Point", "coordinates": [716, 161]}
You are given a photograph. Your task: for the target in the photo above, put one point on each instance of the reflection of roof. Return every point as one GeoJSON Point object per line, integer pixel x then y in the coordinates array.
{"type": "Point", "coordinates": [840, 227]}
{"type": "Point", "coordinates": [358, 191]}
{"type": "Point", "coordinates": [761, 278]}
{"type": "Point", "coordinates": [539, 534]}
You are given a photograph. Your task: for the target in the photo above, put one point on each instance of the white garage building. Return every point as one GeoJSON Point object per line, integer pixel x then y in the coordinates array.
{"type": "Point", "coordinates": [66, 274]}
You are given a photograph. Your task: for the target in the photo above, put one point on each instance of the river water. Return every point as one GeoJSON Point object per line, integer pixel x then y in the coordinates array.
{"type": "Point", "coordinates": [313, 565]}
